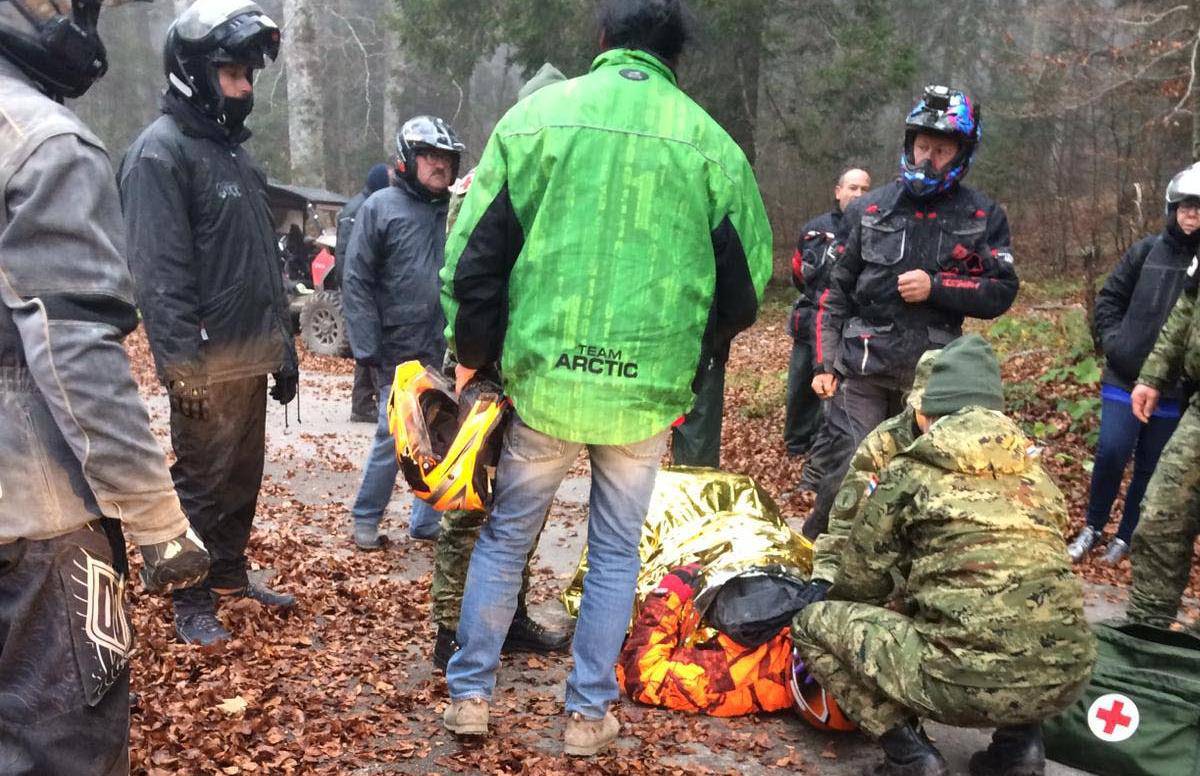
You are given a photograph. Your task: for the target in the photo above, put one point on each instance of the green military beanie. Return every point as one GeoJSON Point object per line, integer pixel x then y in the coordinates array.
{"type": "Point", "coordinates": [966, 374]}
{"type": "Point", "coordinates": [548, 74]}
{"type": "Point", "coordinates": [921, 378]}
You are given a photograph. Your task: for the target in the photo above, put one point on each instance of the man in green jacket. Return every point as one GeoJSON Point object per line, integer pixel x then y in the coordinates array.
{"type": "Point", "coordinates": [973, 525]}
{"type": "Point", "coordinates": [1163, 541]}
{"type": "Point", "coordinates": [613, 238]}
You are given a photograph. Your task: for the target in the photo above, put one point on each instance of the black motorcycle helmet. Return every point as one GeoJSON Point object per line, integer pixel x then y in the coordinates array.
{"type": "Point", "coordinates": [425, 132]}
{"type": "Point", "coordinates": [211, 33]}
{"type": "Point", "coordinates": [55, 43]}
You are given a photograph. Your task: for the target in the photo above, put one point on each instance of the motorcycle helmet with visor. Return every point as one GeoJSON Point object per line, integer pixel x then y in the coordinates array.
{"type": "Point", "coordinates": [949, 113]}
{"type": "Point", "coordinates": [424, 133]}
{"type": "Point", "coordinates": [211, 33]}
{"type": "Point", "coordinates": [55, 42]}
{"type": "Point", "coordinates": [448, 446]}
{"type": "Point", "coordinates": [1184, 186]}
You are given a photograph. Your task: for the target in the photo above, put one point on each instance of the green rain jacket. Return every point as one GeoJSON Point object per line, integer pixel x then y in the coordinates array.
{"type": "Point", "coordinates": [613, 237]}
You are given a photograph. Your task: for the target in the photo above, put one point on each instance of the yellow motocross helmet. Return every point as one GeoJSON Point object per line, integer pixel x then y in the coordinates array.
{"type": "Point", "coordinates": [447, 447]}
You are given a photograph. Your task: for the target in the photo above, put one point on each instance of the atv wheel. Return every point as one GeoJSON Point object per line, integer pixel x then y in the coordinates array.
{"type": "Point", "coordinates": [323, 326]}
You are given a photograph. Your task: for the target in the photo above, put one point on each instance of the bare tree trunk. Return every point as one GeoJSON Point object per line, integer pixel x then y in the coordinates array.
{"type": "Point", "coordinates": [398, 70]}
{"type": "Point", "coordinates": [306, 122]}
{"type": "Point", "coordinates": [1194, 80]}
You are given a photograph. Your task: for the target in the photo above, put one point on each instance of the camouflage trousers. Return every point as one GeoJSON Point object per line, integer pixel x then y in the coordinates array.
{"type": "Point", "coordinates": [869, 660]}
{"type": "Point", "coordinates": [1163, 543]}
{"type": "Point", "coordinates": [455, 543]}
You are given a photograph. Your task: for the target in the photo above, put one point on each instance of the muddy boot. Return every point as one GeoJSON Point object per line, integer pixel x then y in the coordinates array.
{"type": "Point", "coordinates": [585, 737]}
{"type": "Point", "coordinates": [444, 648]}
{"type": "Point", "coordinates": [467, 717]}
{"type": "Point", "coordinates": [528, 635]}
{"type": "Point", "coordinates": [908, 752]}
{"type": "Point", "coordinates": [1016, 750]}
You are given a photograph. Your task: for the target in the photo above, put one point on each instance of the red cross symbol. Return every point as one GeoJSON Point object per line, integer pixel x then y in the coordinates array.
{"type": "Point", "coordinates": [1113, 718]}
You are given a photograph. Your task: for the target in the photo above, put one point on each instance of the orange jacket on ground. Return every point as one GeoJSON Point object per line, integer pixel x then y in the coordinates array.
{"type": "Point", "coordinates": [660, 666]}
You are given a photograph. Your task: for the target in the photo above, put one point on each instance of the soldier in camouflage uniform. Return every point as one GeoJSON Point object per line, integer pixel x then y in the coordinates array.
{"type": "Point", "coordinates": [1163, 541]}
{"type": "Point", "coordinates": [460, 529]}
{"type": "Point", "coordinates": [973, 525]}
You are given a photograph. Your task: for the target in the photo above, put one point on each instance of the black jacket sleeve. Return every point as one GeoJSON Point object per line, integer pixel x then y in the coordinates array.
{"type": "Point", "coordinates": [1113, 300]}
{"type": "Point", "coordinates": [359, 281]}
{"type": "Point", "coordinates": [735, 303]}
{"type": "Point", "coordinates": [836, 304]}
{"type": "Point", "coordinates": [990, 294]}
{"type": "Point", "coordinates": [481, 283]}
{"type": "Point", "coordinates": [160, 251]}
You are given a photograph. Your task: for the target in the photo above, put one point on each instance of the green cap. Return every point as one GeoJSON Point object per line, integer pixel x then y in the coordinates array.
{"type": "Point", "coordinates": [966, 374]}
{"type": "Point", "coordinates": [921, 378]}
{"type": "Point", "coordinates": [548, 74]}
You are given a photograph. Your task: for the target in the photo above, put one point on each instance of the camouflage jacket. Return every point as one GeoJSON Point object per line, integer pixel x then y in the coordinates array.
{"type": "Point", "coordinates": [1177, 351]}
{"type": "Point", "coordinates": [974, 526]}
{"type": "Point", "coordinates": [875, 453]}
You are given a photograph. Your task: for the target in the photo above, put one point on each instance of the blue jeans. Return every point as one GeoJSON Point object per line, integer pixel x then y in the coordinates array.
{"type": "Point", "coordinates": [1121, 436]}
{"type": "Point", "coordinates": [379, 479]}
{"type": "Point", "coordinates": [532, 466]}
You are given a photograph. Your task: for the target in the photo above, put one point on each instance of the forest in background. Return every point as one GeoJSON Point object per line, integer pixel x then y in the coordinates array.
{"type": "Point", "coordinates": [1088, 106]}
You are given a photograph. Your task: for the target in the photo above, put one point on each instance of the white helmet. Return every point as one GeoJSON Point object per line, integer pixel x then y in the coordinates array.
{"type": "Point", "coordinates": [1185, 184]}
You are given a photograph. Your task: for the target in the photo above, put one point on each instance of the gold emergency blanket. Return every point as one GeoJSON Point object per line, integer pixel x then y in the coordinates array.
{"type": "Point", "coordinates": [723, 521]}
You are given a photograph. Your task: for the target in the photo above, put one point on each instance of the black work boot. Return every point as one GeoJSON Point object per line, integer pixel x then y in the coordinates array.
{"type": "Point", "coordinates": [201, 628]}
{"type": "Point", "coordinates": [444, 648]}
{"type": "Point", "coordinates": [266, 596]}
{"type": "Point", "coordinates": [1016, 750]}
{"type": "Point", "coordinates": [908, 752]}
{"type": "Point", "coordinates": [528, 635]}
{"type": "Point", "coordinates": [196, 617]}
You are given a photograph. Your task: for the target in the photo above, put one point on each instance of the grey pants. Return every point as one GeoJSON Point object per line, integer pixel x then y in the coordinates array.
{"type": "Point", "coordinates": [859, 405]}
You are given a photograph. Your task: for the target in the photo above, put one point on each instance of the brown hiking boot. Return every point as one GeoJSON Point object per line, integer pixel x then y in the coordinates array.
{"type": "Point", "coordinates": [468, 717]}
{"type": "Point", "coordinates": [585, 737]}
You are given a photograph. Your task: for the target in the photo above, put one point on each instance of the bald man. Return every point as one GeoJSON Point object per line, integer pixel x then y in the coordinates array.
{"type": "Point", "coordinates": [810, 274]}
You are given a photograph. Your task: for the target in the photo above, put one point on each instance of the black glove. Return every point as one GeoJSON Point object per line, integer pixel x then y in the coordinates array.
{"type": "Point", "coordinates": [815, 592]}
{"type": "Point", "coordinates": [284, 389]}
{"type": "Point", "coordinates": [175, 563]}
{"type": "Point", "coordinates": [189, 398]}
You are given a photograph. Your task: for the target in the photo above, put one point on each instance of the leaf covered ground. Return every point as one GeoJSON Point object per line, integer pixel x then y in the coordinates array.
{"type": "Point", "coordinates": [344, 683]}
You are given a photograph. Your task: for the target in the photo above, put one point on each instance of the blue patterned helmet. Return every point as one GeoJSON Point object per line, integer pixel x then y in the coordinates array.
{"type": "Point", "coordinates": [950, 113]}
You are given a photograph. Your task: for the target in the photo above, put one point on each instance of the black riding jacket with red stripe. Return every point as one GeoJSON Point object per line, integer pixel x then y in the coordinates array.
{"type": "Point", "coordinates": [960, 238]}
{"type": "Point", "coordinates": [811, 264]}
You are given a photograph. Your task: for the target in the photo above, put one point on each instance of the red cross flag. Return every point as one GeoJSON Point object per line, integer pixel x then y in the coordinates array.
{"type": "Point", "coordinates": [1113, 717]}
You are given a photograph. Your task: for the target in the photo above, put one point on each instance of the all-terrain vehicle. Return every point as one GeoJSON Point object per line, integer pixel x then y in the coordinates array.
{"type": "Point", "coordinates": [306, 224]}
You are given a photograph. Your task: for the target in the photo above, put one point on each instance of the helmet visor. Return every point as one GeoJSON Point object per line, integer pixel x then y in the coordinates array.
{"type": "Point", "coordinates": [204, 16]}
{"type": "Point", "coordinates": [1184, 185]}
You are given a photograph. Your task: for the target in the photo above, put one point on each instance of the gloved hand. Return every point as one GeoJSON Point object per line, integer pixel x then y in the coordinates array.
{"type": "Point", "coordinates": [683, 581]}
{"type": "Point", "coordinates": [286, 382]}
{"type": "Point", "coordinates": [189, 398]}
{"type": "Point", "coordinates": [816, 591]}
{"type": "Point", "coordinates": [175, 563]}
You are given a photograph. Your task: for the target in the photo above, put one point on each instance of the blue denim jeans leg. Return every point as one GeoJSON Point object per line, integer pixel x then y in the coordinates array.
{"type": "Point", "coordinates": [1122, 436]}
{"type": "Point", "coordinates": [379, 480]}
{"type": "Point", "coordinates": [532, 466]}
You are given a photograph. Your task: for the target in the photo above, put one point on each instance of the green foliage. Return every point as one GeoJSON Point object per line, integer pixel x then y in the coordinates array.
{"type": "Point", "coordinates": [1085, 372]}
{"type": "Point", "coordinates": [765, 392]}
